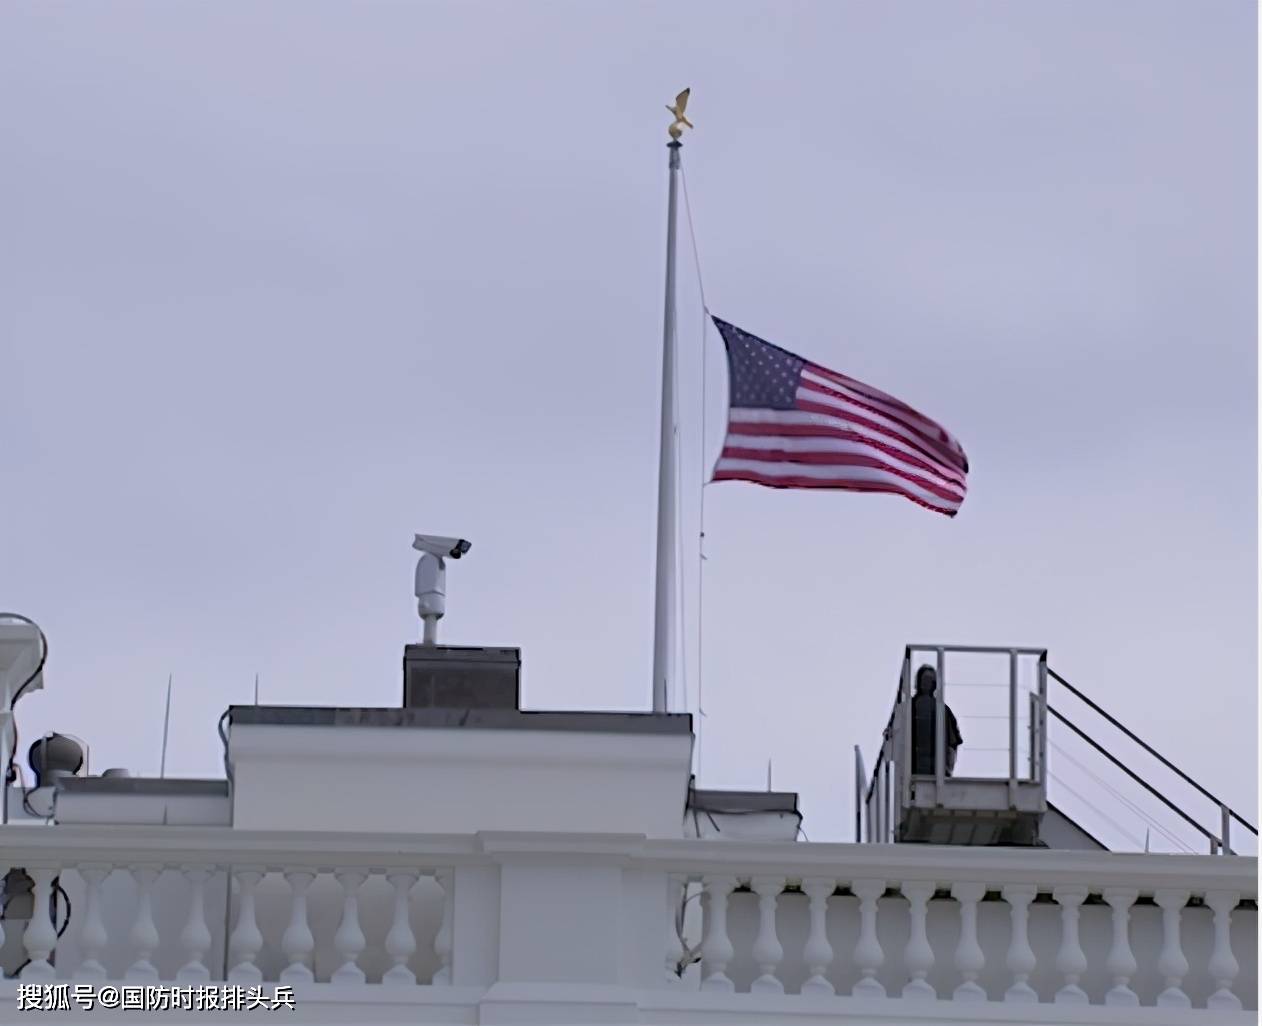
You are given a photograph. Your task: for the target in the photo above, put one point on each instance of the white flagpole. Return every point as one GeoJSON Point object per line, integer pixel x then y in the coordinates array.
{"type": "Point", "coordinates": [664, 610]}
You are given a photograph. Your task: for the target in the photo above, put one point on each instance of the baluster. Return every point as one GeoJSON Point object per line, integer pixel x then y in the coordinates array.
{"type": "Point", "coordinates": [144, 932]}
{"type": "Point", "coordinates": [768, 951]}
{"type": "Point", "coordinates": [401, 941]}
{"type": "Point", "coordinates": [970, 960]}
{"type": "Point", "coordinates": [195, 937]}
{"type": "Point", "coordinates": [717, 951]}
{"type": "Point", "coordinates": [818, 953]}
{"type": "Point", "coordinates": [674, 928]}
{"type": "Point", "coordinates": [1071, 961]}
{"type": "Point", "coordinates": [442, 942]}
{"type": "Point", "coordinates": [40, 937]}
{"type": "Point", "coordinates": [1173, 964]}
{"type": "Point", "coordinates": [1021, 961]}
{"type": "Point", "coordinates": [297, 942]}
{"type": "Point", "coordinates": [247, 940]}
{"type": "Point", "coordinates": [349, 939]}
{"type": "Point", "coordinates": [868, 955]}
{"type": "Point", "coordinates": [92, 938]}
{"type": "Point", "coordinates": [1223, 967]}
{"type": "Point", "coordinates": [919, 953]}
{"type": "Point", "coordinates": [1121, 962]}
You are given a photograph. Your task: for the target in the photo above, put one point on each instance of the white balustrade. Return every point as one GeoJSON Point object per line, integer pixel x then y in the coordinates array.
{"type": "Point", "coordinates": [1223, 967]}
{"type": "Point", "coordinates": [195, 937]}
{"type": "Point", "coordinates": [40, 937]}
{"type": "Point", "coordinates": [144, 932]}
{"type": "Point", "coordinates": [297, 942]}
{"type": "Point", "coordinates": [1071, 960]}
{"type": "Point", "coordinates": [442, 941]}
{"type": "Point", "coordinates": [868, 955]}
{"type": "Point", "coordinates": [919, 953]}
{"type": "Point", "coordinates": [970, 959]}
{"type": "Point", "coordinates": [717, 950]}
{"type": "Point", "coordinates": [93, 937]}
{"type": "Point", "coordinates": [818, 953]}
{"type": "Point", "coordinates": [349, 939]}
{"type": "Point", "coordinates": [1121, 963]}
{"type": "Point", "coordinates": [401, 941]}
{"type": "Point", "coordinates": [676, 887]}
{"type": "Point", "coordinates": [758, 943]}
{"type": "Point", "coordinates": [1020, 961]}
{"type": "Point", "coordinates": [768, 952]}
{"type": "Point", "coordinates": [971, 956]}
{"type": "Point", "coordinates": [1173, 964]}
{"type": "Point", "coordinates": [247, 940]}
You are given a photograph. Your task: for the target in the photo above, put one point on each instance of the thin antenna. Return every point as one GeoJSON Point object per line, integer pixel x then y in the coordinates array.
{"type": "Point", "coordinates": [256, 688]}
{"type": "Point", "coordinates": [1147, 840]}
{"type": "Point", "coordinates": [166, 728]}
{"type": "Point", "coordinates": [768, 774]}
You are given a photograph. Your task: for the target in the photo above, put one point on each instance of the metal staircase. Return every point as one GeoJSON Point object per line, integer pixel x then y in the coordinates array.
{"type": "Point", "coordinates": [988, 804]}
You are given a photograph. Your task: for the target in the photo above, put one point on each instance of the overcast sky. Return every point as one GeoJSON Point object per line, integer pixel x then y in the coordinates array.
{"type": "Point", "coordinates": [283, 283]}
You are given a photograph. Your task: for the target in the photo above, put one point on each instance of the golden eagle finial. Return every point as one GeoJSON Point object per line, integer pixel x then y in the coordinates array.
{"type": "Point", "coordinates": [681, 105]}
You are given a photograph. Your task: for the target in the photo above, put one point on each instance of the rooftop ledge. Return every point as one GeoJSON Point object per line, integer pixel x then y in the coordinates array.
{"type": "Point", "coordinates": [77, 843]}
{"type": "Point", "coordinates": [469, 719]}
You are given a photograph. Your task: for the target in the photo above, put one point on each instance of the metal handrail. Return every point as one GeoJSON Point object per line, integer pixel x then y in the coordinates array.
{"type": "Point", "coordinates": [1155, 754]}
{"type": "Point", "coordinates": [1131, 773]}
{"type": "Point", "coordinates": [880, 758]}
{"type": "Point", "coordinates": [876, 772]}
{"type": "Point", "coordinates": [977, 649]}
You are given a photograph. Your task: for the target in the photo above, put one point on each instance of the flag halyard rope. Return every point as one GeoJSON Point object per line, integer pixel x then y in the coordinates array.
{"type": "Point", "coordinates": [705, 315]}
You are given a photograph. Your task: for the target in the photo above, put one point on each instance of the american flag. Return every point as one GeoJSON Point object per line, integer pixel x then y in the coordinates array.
{"type": "Point", "coordinates": [794, 424]}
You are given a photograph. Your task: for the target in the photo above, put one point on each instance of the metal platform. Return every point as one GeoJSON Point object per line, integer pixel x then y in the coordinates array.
{"type": "Point", "coordinates": [972, 811]}
{"type": "Point", "coordinates": [938, 808]}
{"type": "Point", "coordinates": [1006, 802]}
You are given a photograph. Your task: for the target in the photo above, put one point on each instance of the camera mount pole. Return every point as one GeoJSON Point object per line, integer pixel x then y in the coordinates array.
{"type": "Point", "coordinates": [431, 594]}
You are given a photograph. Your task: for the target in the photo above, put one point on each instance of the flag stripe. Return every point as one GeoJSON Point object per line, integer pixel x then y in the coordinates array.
{"type": "Point", "coordinates": [825, 395]}
{"type": "Point", "coordinates": [773, 428]}
{"type": "Point", "coordinates": [895, 408]}
{"type": "Point", "coordinates": [813, 424]}
{"type": "Point", "coordinates": [826, 452]}
{"type": "Point", "coordinates": [840, 466]}
{"type": "Point", "coordinates": [787, 476]}
{"type": "Point", "coordinates": [844, 418]}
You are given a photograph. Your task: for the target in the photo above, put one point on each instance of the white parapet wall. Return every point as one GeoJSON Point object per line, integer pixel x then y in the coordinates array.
{"type": "Point", "coordinates": [440, 771]}
{"type": "Point", "coordinates": [534, 927]}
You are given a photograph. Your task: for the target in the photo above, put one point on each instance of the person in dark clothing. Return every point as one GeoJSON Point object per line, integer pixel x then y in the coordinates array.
{"type": "Point", "coordinates": [923, 726]}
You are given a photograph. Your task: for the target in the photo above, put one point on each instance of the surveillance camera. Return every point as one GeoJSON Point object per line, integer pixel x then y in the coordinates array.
{"type": "Point", "coordinates": [436, 545]}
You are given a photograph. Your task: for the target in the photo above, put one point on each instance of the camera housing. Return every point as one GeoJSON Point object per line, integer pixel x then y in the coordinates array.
{"type": "Point", "coordinates": [441, 546]}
